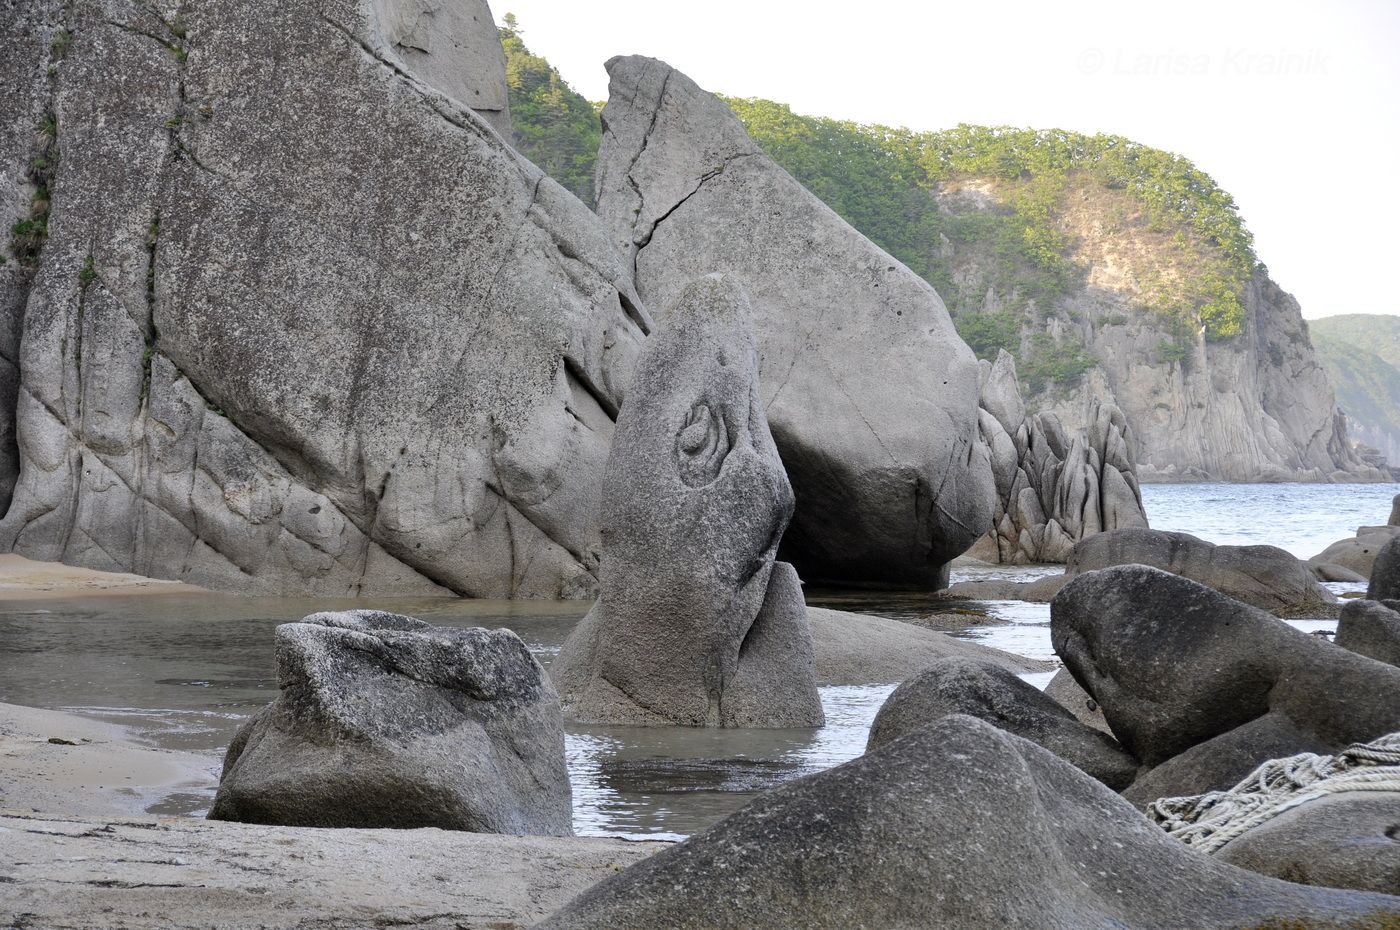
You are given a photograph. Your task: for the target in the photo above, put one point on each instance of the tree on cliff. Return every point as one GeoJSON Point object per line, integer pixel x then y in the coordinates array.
{"type": "Point", "coordinates": [555, 127]}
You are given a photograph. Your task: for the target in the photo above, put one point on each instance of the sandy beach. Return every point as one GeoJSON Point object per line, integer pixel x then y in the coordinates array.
{"type": "Point", "coordinates": [23, 579]}
{"type": "Point", "coordinates": [63, 764]}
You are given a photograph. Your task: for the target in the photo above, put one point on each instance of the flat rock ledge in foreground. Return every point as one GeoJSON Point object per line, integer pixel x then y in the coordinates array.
{"type": "Point", "coordinates": [179, 874]}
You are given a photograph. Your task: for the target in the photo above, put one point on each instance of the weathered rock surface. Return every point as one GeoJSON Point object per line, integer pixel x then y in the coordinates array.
{"type": "Point", "coordinates": [333, 337]}
{"type": "Point", "coordinates": [956, 826]}
{"type": "Point", "coordinates": [1053, 488]}
{"type": "Point", "coordinates": [385, 721]}
{"type": "Point", "coordinates": [1358, 553]}
{"type": "Point", "coordinates": [1371, 628]}
{"type": "Point", "coordinates": [891, 479]}
{"type": "Point", "coordinates": [1384, 584]}
{"type": "Point", "coordinates": [1202, 689]}
{"type": "Point", "coordinates": [27, 149]}
{"type": "Point", "coordinates": [696, 623]}
{"type": "Point", "coordinates": [1264, 576]}
{"type": "Point", "coordinates": [857, 649]}
{"type": "Point", "coordinates": [452, 47]}
{"type": "Point", "coordinates": [1341, 841]}
{"type": "Point", "coordinates": [997, 696]}
{"type": "Point", "coordinates": [182, 874]}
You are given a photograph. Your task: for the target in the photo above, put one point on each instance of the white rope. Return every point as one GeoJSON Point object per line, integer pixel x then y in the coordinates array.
{"type": "Point", "coordinates": [1209, 821]}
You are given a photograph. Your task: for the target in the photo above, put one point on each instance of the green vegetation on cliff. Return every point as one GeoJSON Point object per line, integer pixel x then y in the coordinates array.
{"type": "Point", "coordinates": [555, 127]}
{"type": "Point", "coordinates": [879, 179]}
{"type": "Point", "coordinates": [1001, 195]}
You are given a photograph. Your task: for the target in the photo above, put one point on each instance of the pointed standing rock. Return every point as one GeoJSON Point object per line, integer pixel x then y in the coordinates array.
{"type": "Point", "coordinates": [696, 624]}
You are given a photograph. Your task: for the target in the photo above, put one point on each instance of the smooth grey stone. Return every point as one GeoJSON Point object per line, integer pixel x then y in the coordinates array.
{"type": "Point", "coordinates": [1385, 573]}
{"type": "Point", "coordinates": [1371, 628]}
{"type": "Point", "coordinates": [1264, 576]}
{"type": "Point", "coordinates": [1202, 689]}
{"type": "Point", "coordinates": [998, 696]}
{"type": "Point", "coordinates": [1346, 840]}
{"type": "Point", "coordinates": [957, 826]}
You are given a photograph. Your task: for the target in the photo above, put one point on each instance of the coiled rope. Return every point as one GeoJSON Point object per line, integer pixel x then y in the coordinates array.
{"type": "Point", "coordinates": [1209, 821]}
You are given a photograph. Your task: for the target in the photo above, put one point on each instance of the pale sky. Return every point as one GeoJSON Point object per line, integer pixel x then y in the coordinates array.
{"type": "Point", "coordinates": [1292, 107]}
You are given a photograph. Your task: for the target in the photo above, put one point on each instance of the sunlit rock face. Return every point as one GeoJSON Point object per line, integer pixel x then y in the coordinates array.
{"type": "Point", "coordinates": [303, 322]}
{"type": "Point", "coordinates": [696, 624]}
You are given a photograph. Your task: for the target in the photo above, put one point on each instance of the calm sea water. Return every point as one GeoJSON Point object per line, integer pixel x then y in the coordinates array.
{"type": "Point", "coordinates": [185, 670]}
{"type": "Point", "coordinates": [1302, 518]}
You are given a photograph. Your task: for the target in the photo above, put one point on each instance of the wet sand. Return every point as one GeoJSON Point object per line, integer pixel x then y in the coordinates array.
{"type": "Point", "coordinates": [62, 764]}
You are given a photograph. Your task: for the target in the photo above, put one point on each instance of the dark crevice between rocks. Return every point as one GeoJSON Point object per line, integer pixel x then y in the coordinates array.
{"type": "Point", "coordinates": [632, 312]}
{"type": "Point", "coordinates": [575, 371]}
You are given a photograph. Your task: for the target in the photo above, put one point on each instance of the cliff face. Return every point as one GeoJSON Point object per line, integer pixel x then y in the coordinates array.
{"type": "Point", "coordinates": [1361, 353]}
{"type": "Point", "coordinates": [1256, 406]}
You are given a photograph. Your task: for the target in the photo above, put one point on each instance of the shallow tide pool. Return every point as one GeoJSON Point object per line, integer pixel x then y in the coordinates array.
{"type": "Point", "coordinates": [185, 670]}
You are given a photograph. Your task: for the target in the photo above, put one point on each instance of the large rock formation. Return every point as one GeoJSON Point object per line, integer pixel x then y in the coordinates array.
{"type": "Point", "coordinates": [696, 624]}
{"type": "Point", "coordinates": [1000, 697]}
{"type": "Point", "coordinates": [1264, 576]}
{"type": "Point", "coordinates": [871, 395]}
{"type": "Point", "coordinates": [1053, 488]}
{"type": "Point", "coordinates": [1202, 689]}
{"type": "Point", "coordinates": [385, 721]}
{"type": "Point", "coordinates": [958, 826]}
{"type": "Point", "coordinates": [329, 337]}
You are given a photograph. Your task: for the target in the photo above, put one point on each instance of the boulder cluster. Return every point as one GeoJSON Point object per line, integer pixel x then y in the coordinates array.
{"type": "Point", "coordinates": [1054, 488]}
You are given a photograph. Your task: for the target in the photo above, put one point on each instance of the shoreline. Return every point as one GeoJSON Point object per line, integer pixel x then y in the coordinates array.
{"type": "Point", "coordinates": [23, 579]}
{"type": "Point", "coordinates": [63, 764]}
